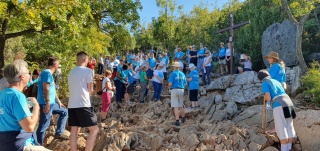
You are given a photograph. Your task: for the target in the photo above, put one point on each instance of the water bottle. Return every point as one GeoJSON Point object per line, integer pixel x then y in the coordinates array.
{"type": "Point", "coordinates": [268, 105]}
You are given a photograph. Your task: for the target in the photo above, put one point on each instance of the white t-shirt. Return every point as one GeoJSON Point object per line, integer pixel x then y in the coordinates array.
{"type": "Point", "coordinates": [206, 59]}
{"type": "Point", "coordinates": [181, 65]}
{"type": "Point", "coordinates": [163, 63]}
{"type": "Point", "coordinates": [111, 64]}
{"type": "Point", "coordinates": [78, 80]}
{"type": "Point", "coordinates": [104, 88]}
{"type": "Point", "coordinates": [137, 76]}
{"type": "Point", "coordinates": [101, 60]}
{"type": "Point", "coordinates": [156, 72]}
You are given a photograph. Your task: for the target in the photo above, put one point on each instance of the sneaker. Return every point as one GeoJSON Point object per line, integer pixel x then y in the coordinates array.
{"type": "Point", "coordinates": [103, 120]}
{"type": "Point", "coordinates": [183, 120]}
{"type": "Point", "coordinates": [61, 137]}
{"type": "Point", "coordinates": [177, 123]}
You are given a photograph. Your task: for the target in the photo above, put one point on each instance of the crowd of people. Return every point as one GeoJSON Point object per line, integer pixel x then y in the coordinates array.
{"type": "Point", "coordinates": [123, 77]}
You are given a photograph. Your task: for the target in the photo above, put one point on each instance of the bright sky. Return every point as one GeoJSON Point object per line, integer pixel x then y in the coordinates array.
{"type": "Point", "coordinates": [150, 8]}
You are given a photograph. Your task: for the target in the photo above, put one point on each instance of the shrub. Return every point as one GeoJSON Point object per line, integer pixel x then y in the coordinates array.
{"type": "Point", "coordinates": [311, 82]}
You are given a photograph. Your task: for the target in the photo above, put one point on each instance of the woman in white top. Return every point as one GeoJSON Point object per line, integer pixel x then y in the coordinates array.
{"type": "Point", "coordinates": [206, 68]}
{"type": "Point", "coordinates": [228, 56]}
{"type": "Point", "coordinates": [107, 93]}
{"type": "Point", "coordinates": [157, 81]}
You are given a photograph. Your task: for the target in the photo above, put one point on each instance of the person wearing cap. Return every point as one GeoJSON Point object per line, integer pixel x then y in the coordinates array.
{"type": "Point", "coordinates": [193, 86]}
{"type": "Point", "coordinates": [177, 82]}
{"type": "Point", "coordinates": [283, 109]}
{"type": "Point", "coordinates": [207, 67]}
{"type": "Point", "coordinates": [143, 83]}
{"type": "Point", "coordinates": [193, 55]}
{"type": "Point", "coordinates": [222, 58]}
{"type": "Point", "coordinates": [157, 82]}
{"type": "Point", "coordinates": [201, 55]}
{"type": "Point", "coordinates": [119, 82]}
{"type": "Point", "coordinates": [277, 68]}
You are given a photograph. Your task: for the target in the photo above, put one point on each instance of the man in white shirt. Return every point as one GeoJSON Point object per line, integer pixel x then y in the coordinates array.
{"type": "Point", "coordinates": [81, 112]}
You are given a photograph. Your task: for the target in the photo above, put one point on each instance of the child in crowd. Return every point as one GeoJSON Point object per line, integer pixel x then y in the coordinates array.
{"type": "Point", "coordinates": [143, 83]}
{"type": "Point", "coordinates": [193, 86]}
{"type": "Point", "coordinates": [157, 82]}
{"type": "Point", "coordinates": [106, 95]}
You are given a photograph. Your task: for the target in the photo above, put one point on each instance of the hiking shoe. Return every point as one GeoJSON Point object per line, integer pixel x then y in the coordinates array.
{"type": "Point", "coordinates": [61, 137]}
{"type": "Point", "coordinates": [183, 120]}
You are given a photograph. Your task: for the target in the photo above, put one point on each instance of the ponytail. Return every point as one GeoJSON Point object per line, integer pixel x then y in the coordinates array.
{"type": "Point", "coordinates": [282, 64]}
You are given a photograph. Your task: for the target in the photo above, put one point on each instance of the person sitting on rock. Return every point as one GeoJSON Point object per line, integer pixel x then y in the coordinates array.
{"type": "Point", "coordinates": [283, 109]}
{"type": "Point", "coordinates": [177, 82]}
{"type": "Point", "coordinates": [193, 86]}
{"type": "Point", "coordinates": [247, 65]}
{"type": "Point", "coordinates": [17, 123]}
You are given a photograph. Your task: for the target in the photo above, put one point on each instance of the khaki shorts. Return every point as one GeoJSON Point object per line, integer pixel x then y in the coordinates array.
{"type": "Point", "coordinates": [222, 61]}
{"type": "Point", "coordinates": [177, 97]}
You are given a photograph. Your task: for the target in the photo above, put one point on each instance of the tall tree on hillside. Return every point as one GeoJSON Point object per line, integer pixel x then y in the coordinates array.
{"type": "Point", "coordinates": [298, 12]}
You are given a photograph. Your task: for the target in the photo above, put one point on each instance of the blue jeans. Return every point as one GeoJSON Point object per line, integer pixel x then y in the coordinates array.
{"type": "Point", "coordinates": [157, 90]}
{"type": "Point", "coordinates": [45, 118]}
{"type": "Point", "coordinates": [200, 64]}
{"type": "Point", "coordinates": [120, 88]}
{"type": "Point", "coordinates": [206, 75]}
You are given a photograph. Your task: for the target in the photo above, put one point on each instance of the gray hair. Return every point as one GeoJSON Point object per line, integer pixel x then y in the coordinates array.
{"type": "Point", "coordinates": [12, 72]}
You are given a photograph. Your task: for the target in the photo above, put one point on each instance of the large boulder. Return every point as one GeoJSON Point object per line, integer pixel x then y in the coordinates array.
{"type": "Point", "coordinates": [246, 78]}
{"type": "Point", "coordinates": [221, 83]}
{"type": "Point", "coordinates": [307, 126]}
{"type": "Point", "coordinates": [281, 38]}
{"type": "Point", "coordinates": [246, 94]}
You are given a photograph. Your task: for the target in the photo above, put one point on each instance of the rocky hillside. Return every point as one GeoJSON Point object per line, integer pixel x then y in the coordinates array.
{"type": "Point", "coordinates": [229, 118]}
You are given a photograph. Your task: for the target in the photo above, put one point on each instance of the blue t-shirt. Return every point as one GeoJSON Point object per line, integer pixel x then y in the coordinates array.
{"type": "Point", "coordinates": [166, 59]}
{"type": "Point", "coordinates": [152, 62]}
{"type": "Point", "coordinates": [201, 52]}
{"type": "Point", "coordinates": [222, 52]}
{"type": "Point", "coordinates": [46, 77]}
{"type": "Point", "coordinates": [278, 89]}
{"type": "Point", "coordinates": [277, 72]}
{"type": "Point", "coordinates": [194, 83]}
{"type": "Point", "coordinates": [32, 82]}
{"type": "Point", "coordinates": [13, 109]}
{"type": "Point", "coordinates": [118, 57]}
{"type": "Point", "coordinates": [129, 58]}
{"type": "Point", "coordinates": [179, 55]}
{"type": "Point", "coordinates": [178, 79]}
{"type": "Point", "coordinates": [129, 74]}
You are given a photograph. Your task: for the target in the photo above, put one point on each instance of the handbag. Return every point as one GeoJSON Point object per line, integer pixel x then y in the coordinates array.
{"type": "Point", "coordinates": [100, 92]}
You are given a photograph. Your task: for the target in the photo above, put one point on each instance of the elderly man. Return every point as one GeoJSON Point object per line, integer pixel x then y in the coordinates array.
{"type": "Point", "coordinates": [17, 123]}
{"type": "Point", "coordinates": [177, 81]}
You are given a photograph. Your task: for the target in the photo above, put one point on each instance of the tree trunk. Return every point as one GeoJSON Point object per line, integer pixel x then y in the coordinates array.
{"type": "Point", "coordinates": [2, 44]}
{"type": "Point", "coordinates": [302, 63]}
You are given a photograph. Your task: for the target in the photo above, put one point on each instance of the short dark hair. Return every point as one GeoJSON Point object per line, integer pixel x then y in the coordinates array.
{"type": "Point", "coordinates": [36, 72]}
{"type": "Point", "coordinates": [81, 53]}
{"type": "Point", "coordinates": [125, 67]}
{"type": "Point", "coordinates": [52, 61]}
{"type": "Point", "coordinates": [262, 74]}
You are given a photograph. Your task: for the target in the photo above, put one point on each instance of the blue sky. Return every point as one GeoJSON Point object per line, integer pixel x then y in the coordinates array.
{"type": "Point", "coordinates": [150, 8]}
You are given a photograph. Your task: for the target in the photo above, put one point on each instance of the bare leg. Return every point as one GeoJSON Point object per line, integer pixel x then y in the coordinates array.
{"type": "Point", "coordinates": [182, 111]}
{"type": "Point", "coordinates": [226, 68]}
{"type": "Point", "coordinates": [91, 138]}
{"type": "Point", "coordinates": [176, 113]}
{"type": "Point", "coordinates": [103, 115]}
{"type": "Point", "coordinates": [74, 137]}
{"type": "Point", "coordinates": [221, 68]}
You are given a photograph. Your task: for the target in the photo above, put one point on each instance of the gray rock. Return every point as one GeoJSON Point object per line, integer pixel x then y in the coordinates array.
{"type": "Point", "coordinates": [247, 94]}
{"type": "Point", "coordinates": [313, 57]}
{"type": "Point", "coordinates": [254, 146]}
{"type": "Point", "coordinates": [252, 116]}
{"type": "Point", "coordinates": [221, 83]}
{"type": "Point", "coordinates": [206, 101]}
{"type": "Point", "coordinates": [281, 37]}
{"type": "Point", "coordinates": [231, 108]}
{"type": "Point", "coordinates": [218, 99]}
{"type": "Point", "coordinates": [156, 142]}
{"type": "Point", "coordinates": [246, 78]}
{"type": "Point", "coordinates": [307, 126]}
{"type": "Point", "coordinates": [293, 79]}
{"type": "Point", "coordinates": [219, 115]}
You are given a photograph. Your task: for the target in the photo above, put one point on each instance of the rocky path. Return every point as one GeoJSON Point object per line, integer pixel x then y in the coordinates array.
{"type": "Point", "coordinates": [226, 120]}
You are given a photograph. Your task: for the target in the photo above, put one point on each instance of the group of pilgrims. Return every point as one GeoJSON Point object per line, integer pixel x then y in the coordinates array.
{"type": "Point", "coordinates": [186, 69]}
{"type": "Point", "coordinates": [134, 74]}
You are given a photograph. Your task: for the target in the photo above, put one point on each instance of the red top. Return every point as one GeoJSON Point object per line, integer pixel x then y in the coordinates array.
{"type": "Point", "coordinates": [91, 65]}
